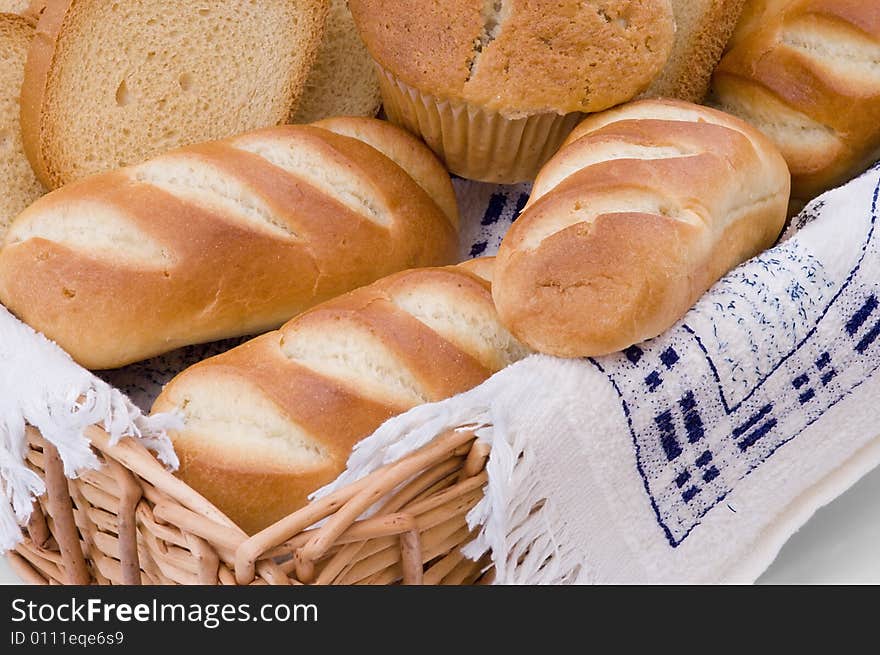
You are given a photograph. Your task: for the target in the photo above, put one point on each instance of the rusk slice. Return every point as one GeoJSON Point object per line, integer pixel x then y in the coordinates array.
{"type": "Point", "coordinates": [703, 28]}
{"type": "Point", "coordinates": [18, 184]}
{"type": "Point", "coordinates": [343, 81]}
{"type": "Point", "coordinates": [109, 84]}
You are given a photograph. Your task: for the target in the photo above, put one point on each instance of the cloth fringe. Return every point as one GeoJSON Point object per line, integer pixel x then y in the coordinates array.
{"type": "Point", "coordinates": [61, 402]}
{"type": "Point", "coordinates": [514, 525]}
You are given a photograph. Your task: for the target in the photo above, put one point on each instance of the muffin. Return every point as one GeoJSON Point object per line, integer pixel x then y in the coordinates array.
{"type": "Point", "coordinates": [495, 86]}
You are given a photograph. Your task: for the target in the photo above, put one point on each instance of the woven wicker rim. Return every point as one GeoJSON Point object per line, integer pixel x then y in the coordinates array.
{"type": "Point", "coordinates": [133, 522]}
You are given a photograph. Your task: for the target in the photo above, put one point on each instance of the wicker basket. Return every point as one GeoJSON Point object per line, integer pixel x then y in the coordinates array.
{"type": "Point", "coordinates": [132, 522]}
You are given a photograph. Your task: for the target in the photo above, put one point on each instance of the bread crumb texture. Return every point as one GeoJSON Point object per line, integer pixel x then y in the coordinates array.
{"type": "Point", "coordinates": [18, 184]}
{"type": "Point", "coordinates": [128, 80]}
{"type": "Point", "coordinates": [343, 81]}
{"type": "Point", "coordinates": [14, 6]}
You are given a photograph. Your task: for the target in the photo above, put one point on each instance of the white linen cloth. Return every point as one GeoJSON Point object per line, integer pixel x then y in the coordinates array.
{"type": "Point", "coordinates": [691, 458]}
{"type": "Point", "coordinates": [40, 385]}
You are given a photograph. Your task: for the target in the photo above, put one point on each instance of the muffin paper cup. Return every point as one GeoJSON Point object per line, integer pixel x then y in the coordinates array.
{"type": "Point", "coordinates": [475, 143]}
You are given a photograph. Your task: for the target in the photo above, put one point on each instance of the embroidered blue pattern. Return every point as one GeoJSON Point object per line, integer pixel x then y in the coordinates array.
{"type": "Point", "coordinates": [810, 342]}
{"type": "Point", "coordinates": [488, 210]}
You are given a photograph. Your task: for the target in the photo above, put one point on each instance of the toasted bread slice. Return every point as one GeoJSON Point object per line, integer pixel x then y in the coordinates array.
{"type": "Point", "coordinates": [703, 28]}
{"type": "Point", "coordinates": [18, 184]}
{"type": "Point", "coordinates": [109, 84]}
{"type": "Point", "coordinates": [343, 81]}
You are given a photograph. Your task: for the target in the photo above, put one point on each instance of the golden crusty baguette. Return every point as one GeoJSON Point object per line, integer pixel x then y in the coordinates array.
{"type": "Point", "coordinates": [643, 209]}
{"type": "Point", "coordinates": [110, 84]}
{"type": "Point", "coordinates": [225, 238]}
{"type": "Point", "coordinates": [273, 420]}
{"type": "Point", "coordinates": [806, 73]}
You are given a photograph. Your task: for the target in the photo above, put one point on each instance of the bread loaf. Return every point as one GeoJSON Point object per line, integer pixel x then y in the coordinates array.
{"type": "Point", "coordinates": [343, 81]}
{"type": "Point", "coordinates": [754, 16]}
{"type": "Point", "coordinates": [226, 238]}
{"type": "Point", "coordinates": [273, 420]}
{"type": "Point", "coordinates": [18, 184]}
{"type": "Point", "coordinates": [702, 29]}
{"type": "Point", "coordinates": [642, 209]}
{"type": "Point", "coordinates": [807, 73]}
{"type": "Point", "coordinates": [110, 84]}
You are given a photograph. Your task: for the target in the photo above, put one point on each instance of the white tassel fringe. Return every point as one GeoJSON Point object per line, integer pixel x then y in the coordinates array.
{"type": "Point", "coordinates": [60, 400]}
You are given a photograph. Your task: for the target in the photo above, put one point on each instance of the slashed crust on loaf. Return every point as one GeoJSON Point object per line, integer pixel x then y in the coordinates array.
{"type": "Point", "coordinates": [110, 84]}
{"type": "Point", "coordinates": [269, 422]}
{"type": "Point", "coordinates": [643, 209]}
{"type": "Point", "coordinates": [807, 73]}
{"type": "Point", "coordinates": [18, 184]}
{"type": "Point", "coordinates": [407, 153]}
{"type": "Point", "coordinates": [224, 238]}
{"type": "Point", "coordinates": [521, 57]}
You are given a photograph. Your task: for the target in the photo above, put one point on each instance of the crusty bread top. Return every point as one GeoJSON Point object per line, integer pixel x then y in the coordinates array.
{"type": "Point", "coordinates": [412, 337]}
{"type": "Point", "coordinates": [754, 16]}
{"type": "Point", "coordinates": [519, 57]}
{"type": "Point", "coordinates": [18, 184]}
{"type": "Point", "coordinates": [667, 110]}
{"type": "Point", "coordinates": [645, 207]}
{"type": "Point", "coordinates": [406, 151]}
{"type": "Point", "coordinates": [703, 28]}
{"type": "Point", "coordinates": [343, 81]}
{"type": "Point", "coordinates": [267, 423]}
{"type": "Point", "coordinates": [224, 238]}
{"type": "Point", "coordinates": [656, 132]}
{"type": "Point", "coordinates": [805, 73]}
{"type": "Point", "coordinates": [111, 84]}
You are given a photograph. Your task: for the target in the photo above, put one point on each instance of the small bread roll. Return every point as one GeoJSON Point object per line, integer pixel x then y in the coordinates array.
{"type": "Point", "coordinates": [806, 73]}
{"type": "Point", "coordinates": [273, 420]}
{"type": "Point", "coordinates": [639, 213]}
